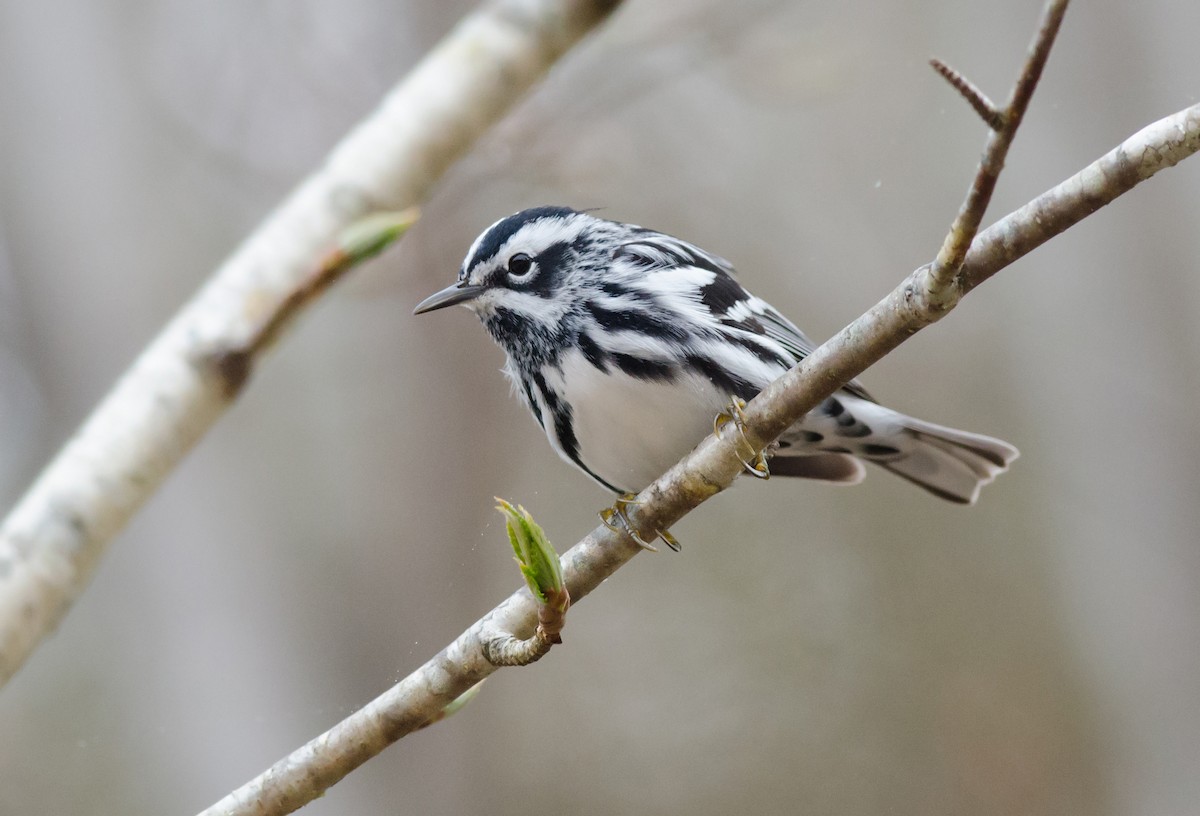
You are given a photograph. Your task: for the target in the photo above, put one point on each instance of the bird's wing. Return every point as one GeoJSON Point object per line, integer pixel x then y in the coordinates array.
{"type": "Point", "coordinates": [727, 300]}
{"type": "Point", "coordinates": [649, 250]}
{"type": "Point", "coordinates": [787, 334]}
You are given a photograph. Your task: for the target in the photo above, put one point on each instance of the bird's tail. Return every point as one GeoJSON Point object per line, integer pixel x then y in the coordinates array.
{"type": "Point", "coordinates": [949, 463]}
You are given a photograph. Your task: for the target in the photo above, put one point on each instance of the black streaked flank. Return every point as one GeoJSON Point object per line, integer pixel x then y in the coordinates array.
{"type": "Point", "coordinates": [641, 321]}
{"type": "Point", "coordinates": [644, 369]}
{"type": "Point", "coordinates": [533, 405]}
{"type": "Point", "coordinates": [595, 355]}
{"type": "Point", "coordinates": [561, 413]}
{"type": "Point", "coordinates": [759, 350]}
{"type": "Point", "coordinates": [564, 428]}
{"type": "Point", "coordinates": [508, 227]}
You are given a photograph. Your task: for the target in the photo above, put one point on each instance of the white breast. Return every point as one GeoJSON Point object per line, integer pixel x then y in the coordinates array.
{"type": "Point", "coordinates": [630, 430]}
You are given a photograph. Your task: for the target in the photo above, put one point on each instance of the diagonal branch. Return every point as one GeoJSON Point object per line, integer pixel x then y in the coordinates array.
{"type": "Point", "coordinates": [906, 310]}
{"type": "Point", "coordinates": [421, 697]}
{"type": "Point", "coordinates": [1155, 147]}
{"type": "Point", "coordinates": [51, 542]}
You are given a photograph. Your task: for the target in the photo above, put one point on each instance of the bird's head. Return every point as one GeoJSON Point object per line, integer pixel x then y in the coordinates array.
{"type": "Point", "coordinates": [525, 265]}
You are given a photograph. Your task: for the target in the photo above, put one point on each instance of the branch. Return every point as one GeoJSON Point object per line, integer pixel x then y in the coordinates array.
{"type": "Point", "coordinates": [361, 241]}
{"type": "Point", "coordinates": [53, 539]}
{"type": "Point", "coordinates": [1155, 147]}
{"type": "Point", "coordinates": [940, 289]}
{"type": "Point", "coordinates": [422, 696]}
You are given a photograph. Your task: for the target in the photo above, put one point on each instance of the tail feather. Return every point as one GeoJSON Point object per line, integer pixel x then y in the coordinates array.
{"type": "Point", "coordinates": [839, 468]}
{"type": "Point", "coordinates": [832, 441]}
{"type": "Point", "coordinates": [949, 463]}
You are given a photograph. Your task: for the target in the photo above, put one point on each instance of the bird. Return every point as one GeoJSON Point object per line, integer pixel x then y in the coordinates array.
{"type": "Point", "coordinates": [625, 343]}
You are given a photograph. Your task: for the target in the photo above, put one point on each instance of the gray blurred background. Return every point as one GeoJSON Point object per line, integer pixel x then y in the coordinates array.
{"type": "Point", "coordinates": [813, 649]}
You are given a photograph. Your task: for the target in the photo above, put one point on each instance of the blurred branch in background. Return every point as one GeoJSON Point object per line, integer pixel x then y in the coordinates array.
{"type": "Point", "coordinates": [361, 241]}
{"type": "Point", "coordinates": [51, 542]}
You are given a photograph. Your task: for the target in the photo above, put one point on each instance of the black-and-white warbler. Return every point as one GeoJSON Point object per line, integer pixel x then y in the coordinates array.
{"type": "Point", "coordinates": [625, 343]}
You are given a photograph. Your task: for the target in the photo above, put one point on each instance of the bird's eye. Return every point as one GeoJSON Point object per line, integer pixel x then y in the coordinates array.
{"type": "Point", "coordinates": [520, 266]}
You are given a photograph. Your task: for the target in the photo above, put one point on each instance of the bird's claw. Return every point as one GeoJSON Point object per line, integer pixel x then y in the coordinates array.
{"type": "Point", "coordinates": [758, 468]}
{"type": "Point", "coordinates": [616, 519]}
{"type": "Point", "coordinates": [670, 540]}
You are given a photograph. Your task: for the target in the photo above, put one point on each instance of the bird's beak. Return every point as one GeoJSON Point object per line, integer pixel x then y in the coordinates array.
{"type": "Point", "coordinates": [460, 292]}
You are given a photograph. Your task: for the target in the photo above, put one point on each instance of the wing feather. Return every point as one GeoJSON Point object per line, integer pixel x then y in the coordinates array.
{"type": "Point", "coordinates": [727, 300]}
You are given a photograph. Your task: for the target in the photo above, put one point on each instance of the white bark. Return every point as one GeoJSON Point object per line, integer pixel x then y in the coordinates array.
{"type": "Point", "coordinates": [51, 541]}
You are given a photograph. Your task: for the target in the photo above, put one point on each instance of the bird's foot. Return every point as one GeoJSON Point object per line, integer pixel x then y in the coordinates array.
{"type": "Point", "coordinates": [616, 519]}
{"type": "Point", "coordinates": [758, 468]}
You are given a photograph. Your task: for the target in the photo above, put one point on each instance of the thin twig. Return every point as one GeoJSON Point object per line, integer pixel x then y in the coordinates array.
{"type": "Point", "coordinates": [992, 116]}
{"type": "Point", "coordinates": [940, 281]}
